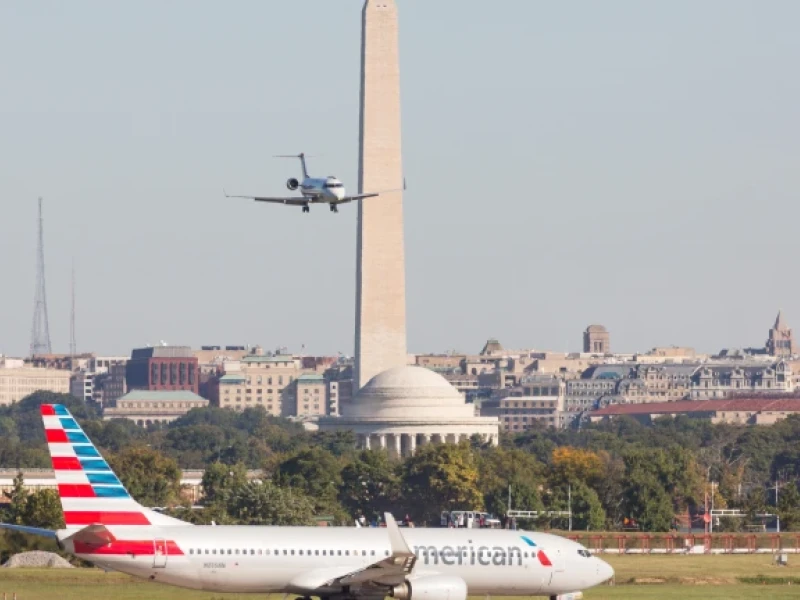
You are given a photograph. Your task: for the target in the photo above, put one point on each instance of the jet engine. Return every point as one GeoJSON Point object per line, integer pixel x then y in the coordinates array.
{"type": "Point", "coordinates": [435, 587]}
{"type": "Point", "coordinates": [292, 184]}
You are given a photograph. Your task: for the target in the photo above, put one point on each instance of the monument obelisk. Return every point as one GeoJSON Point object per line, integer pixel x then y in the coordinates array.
{"type": "Point", "coordinates": [380, 272]}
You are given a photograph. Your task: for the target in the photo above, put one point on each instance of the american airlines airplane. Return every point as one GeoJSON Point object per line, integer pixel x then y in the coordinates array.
{"type": "Point", "coordinates": [107, 527]}
{"type": "Point", "coordinates": [314, 190]}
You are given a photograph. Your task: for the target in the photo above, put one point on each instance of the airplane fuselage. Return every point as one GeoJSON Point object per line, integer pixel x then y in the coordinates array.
{"type": "Point", "coordinates": [326, 190]}
{"type": "Point", "coordinates": [288, 559]}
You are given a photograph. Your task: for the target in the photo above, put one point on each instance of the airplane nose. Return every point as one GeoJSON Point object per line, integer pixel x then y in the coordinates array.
{"type": "Point", "coordinates": [604, 571]}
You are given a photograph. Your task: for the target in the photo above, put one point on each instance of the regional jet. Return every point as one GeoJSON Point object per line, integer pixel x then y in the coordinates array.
{"type": "Point", "coordinates": [106, 526]}
{"type": "Point", "coordinates": [313, 190]}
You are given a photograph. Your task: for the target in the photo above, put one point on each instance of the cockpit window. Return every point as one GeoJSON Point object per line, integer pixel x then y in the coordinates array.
{"type": "Point", "coordinates": [585, 553]}
{"type": "Point", "coordinates": [333, 185]}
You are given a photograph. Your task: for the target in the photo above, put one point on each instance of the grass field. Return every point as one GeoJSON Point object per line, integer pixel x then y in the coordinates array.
{"type": "Point", "coordinates": [642, 577]}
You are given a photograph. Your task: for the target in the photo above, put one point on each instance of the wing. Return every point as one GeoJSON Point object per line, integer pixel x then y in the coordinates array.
{"type": "Point", "coordinates": [356, 197]}
{"type": "Point", "coordinates": [391, 570]}
{"type": "Point", "coordinates": [293, 201]}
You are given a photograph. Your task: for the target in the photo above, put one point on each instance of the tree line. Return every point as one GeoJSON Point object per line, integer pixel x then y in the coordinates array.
{"type": "Point", "coordinates": [609, 474]}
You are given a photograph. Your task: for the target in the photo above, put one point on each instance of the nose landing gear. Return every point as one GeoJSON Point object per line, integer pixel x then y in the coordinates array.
{"type": "Point", "coordinates": [306, 208]}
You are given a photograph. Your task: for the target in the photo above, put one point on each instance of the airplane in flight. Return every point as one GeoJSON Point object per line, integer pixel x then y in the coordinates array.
{"type": "Point", "coordinates": [314, 190]}
{"type": "Point", "coordinates": [106, 526]}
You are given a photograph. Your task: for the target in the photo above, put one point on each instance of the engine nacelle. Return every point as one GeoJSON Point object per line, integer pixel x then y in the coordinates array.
{"type": "Point", "coordinates": [435, 587]}
{"type": "Point", "coordinates": [292, 184]}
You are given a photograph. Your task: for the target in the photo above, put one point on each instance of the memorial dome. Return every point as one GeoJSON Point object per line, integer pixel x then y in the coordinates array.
{"type": "Point", "coordinates": [408, 392]}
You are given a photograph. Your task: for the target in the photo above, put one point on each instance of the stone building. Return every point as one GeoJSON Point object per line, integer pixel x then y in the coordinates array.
{"type": "Point", "coordinates": [405, 407]}
{"type": "Point", "coordinates": [596, 340]}
{"type": "Point", "coordinates": [18, 381]}
{"type": "Point", "coordinates": [722, 380]}
{"type": "Point", "coordinates": [538, 398]}
{"type": "Point", "coordinates": [146, 407]}
{"type": "Point", "coordinates": [781, 340]}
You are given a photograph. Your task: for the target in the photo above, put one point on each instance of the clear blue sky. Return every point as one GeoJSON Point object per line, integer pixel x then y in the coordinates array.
{"type": "Point", "coordinates": [629, 163]}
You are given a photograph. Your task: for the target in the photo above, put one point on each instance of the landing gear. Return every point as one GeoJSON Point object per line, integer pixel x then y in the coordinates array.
{"type": "Point", "coordinates": [334, 208]}
{"type": "Point", "coordinates": [306, 209]}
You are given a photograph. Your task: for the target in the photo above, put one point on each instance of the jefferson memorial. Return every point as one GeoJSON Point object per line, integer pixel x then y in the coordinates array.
{"type": "Point", "coordinates": [406, 407]}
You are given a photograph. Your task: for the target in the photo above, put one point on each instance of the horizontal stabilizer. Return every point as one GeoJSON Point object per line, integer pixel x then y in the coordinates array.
{"type": "Point", "coordinates": [48, 533]}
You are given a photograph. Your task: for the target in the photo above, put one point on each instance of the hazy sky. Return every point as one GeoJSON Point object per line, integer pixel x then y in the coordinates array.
{"type": "Point", "coordinates": [628, 163]}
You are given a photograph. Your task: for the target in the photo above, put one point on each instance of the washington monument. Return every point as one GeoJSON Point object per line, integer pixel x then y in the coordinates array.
{"type": "Point", "coordinates": [380, 272]}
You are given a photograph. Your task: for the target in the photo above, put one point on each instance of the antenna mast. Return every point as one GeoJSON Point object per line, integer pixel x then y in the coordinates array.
{"type": "Point", "coordinates": [40, 331]}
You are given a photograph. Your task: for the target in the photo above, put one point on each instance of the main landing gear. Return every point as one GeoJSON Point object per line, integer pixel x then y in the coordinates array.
{"type": "Point", "coordinates": [306, 208]}
{"type": "Point", "coordinates": [334, 208]}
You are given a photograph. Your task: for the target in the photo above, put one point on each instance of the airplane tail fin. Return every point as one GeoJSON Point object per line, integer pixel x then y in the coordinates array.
{"type": "Point", "coordinates": [90, 492]}
{"type": "Point", "coordinates": [301, 156]}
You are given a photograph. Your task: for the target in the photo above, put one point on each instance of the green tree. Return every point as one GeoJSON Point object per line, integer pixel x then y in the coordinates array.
{"type": "Point", "coordinates": [264, 503]}
{"type": "Point", "coordinates": [789, 507]}
{"type": "Point", "coordinates": [502, 468]}
{"type": "Point", "coordinates": [317, 473]}
{"type": "Point", "coordinates": [220, 481]}
{"type": "Point", "coordinates": [43, 509]}
{"type": "Point", "coordinates": [646, 501]}
{"type": "Point", "coordinates": [150, 477]}
{"type": "Point", "coordinates": [18, 500]}
{"type": "Point", "coordinates": [441, 477]}
{"type": "Point", "coordinates": [370, 485]}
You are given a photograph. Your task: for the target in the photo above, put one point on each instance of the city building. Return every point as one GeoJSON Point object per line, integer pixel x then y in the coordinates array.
{"type": "Point", "coordinates": [596, 340]}
{"type": "Point", "coordinates": [781, 339]}
{"type": "Point", "coordinates": [740, 411]}
{"type": "Point", "coordinates": [538, 399]}
{"type": "Point", "coordinates": [167, 368]}
{"type": "Point", "coordinates": [146, 407]}
{"type": "Point", "coordinates": [17, 380]}
{"type": "Point", "coordinates": [723, 379]}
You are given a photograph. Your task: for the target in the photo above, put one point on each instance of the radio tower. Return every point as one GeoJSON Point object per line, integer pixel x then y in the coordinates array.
{"type": "Point", "coordinates": [40, 332]}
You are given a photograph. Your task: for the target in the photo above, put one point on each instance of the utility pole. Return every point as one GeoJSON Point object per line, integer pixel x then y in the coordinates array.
{"type": "Point", "coordinates": [711, 522]}
{"type": "Point", "coordinates": [777, 514]}
{"type": "Point", "coordinates": [569, 504]}
{"type": "Point", "coordinates": [509, 498]}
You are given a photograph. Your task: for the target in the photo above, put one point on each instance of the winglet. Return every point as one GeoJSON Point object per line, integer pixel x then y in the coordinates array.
{"type": "Point", "coordinates": [396, 540]}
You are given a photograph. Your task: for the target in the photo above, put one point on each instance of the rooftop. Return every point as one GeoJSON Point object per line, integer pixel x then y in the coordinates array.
{"type": "Point", "coordinates": [700, 406]}
{"type": "Point", "coordinates": [161, 396]}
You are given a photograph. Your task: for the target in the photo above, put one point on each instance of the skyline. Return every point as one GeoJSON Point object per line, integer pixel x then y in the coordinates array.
{"type": "Point", "coordinates": [658, 159]}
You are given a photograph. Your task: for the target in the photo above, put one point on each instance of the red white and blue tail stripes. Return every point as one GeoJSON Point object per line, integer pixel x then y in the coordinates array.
{"type": "Point", "coordinates": [90, 491]}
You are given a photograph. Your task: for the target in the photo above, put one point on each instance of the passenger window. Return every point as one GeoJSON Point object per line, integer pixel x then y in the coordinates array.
{"type": "Point", "coordinates": [301, 552]}
{"type": "Point", "coordinates": [373, 553]}
{"type": "Point", "coordinates": [316, 552]}
{"type": "Point", "coordinates": [229, 551]}
{"type": "Point", "coordinates": [237, 551]}
{"type": "Point", "coordinates": [339, 552]}
{"type": "Point", "coordinates": [214, 551]}
{"type": "Point", "coordinates": [347, 552]}
{"type": "Point", "coordinates": [206, 550]}
{"type": "Point", "coordinates": [292, 552]}
{"type": "Point", "coordinates": [324, 553]}
{"type": "Point", "coordinates": [363, 553]}
{"type": "Point", "coordinates": [259, 551]}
